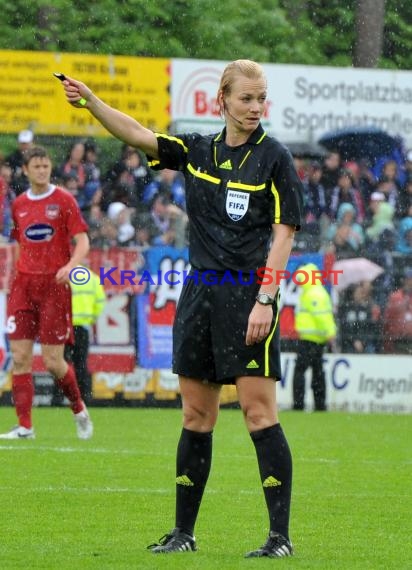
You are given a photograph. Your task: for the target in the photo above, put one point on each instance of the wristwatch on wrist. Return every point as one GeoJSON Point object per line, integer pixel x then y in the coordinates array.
{"type": "Point", "coordinates": [265, 299]}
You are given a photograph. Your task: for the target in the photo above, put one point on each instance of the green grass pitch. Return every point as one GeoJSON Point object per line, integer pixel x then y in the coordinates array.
{"type": "Point", "coordinates": [71, 504]}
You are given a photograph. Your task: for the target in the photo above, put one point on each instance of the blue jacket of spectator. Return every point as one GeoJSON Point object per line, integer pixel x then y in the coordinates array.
{"type": "Point", "coordinates": [404, 244]}
{"type": "Point", "coordinates": [176, 192]}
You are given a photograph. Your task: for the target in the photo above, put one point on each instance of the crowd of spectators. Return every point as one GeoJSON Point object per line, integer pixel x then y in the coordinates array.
{"type": "Point", "coordinates": [352, 209]}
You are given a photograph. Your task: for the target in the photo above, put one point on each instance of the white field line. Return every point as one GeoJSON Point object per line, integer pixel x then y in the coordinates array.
{"type": "Point", "coordinates": [170, 491]}
{"type": "Point", "coordinates": [98, 450]}
{"type": "Point", "coordinates": [102, 450]}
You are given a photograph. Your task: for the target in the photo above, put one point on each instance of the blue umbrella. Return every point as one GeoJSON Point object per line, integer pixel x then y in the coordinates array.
{"type": "Point", "coordinates": [356, 143]}
{"type": "Point", "coordinates": [311, 151]}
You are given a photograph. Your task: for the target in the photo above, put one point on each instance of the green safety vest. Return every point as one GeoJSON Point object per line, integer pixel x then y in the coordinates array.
{"type": "Point", "coordinates": [314, 320]}
{"type": "Point", "coordinates": [88, 301]}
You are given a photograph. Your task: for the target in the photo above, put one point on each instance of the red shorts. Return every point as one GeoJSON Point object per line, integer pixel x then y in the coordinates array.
{"type": "Point", "coordinates": [39, 309]}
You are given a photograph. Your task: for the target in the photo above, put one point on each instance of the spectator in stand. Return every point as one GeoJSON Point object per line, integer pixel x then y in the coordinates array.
{"type": "Point", "coordinates": [381, 220]}
{"type": "Point", "coordinates": [345, 191]}
{"type": "Point", "coordinates": [408, 165]}
{"type": "Point", "coordinates": [95, 221]}
{"type": "Point", "coordinates": [390, 190]}
{"type": "Point", "coordinates": [74, 164]}
{"type": "Point", "coordinates": [359, 320]}
{"type": "Point", "coordinates": [396, 162]}
{"type": "Point", "coordinates": [120, 215]}
{"type": "Point", "coordinates": [7, 197]}
{"type": "Point", "coordinates": [70, 182]}
{"type": "Point", "coordinates": [316, 220]}
{"type": "Point", "coordinates": [381, 239]}
{"type": "Point", "coordinates": [300, 166]}
{"type": "Point", "coordinates": [314, 194]}
{"type": "Point", "coordinates": [91, 167]}
{"type": "Point", "coordinates": [353, 168]}
{"type": "Point", "coordinates": [20, 182]}
{"type": "Point", "coordinates": [165, 222]}
{"type": "Point", "coordinates": [346, 216]}
{"type": "Point", "coordinates": [92, 184]}
{"type": "Point", "coordinates": [367, 180]}
{"type": "Point", "coordinates": [142, 236]}
{"type": "Point", "coordinates": [124, 193]}
{"type": "Point", "coordinates": [341, 244]}
{"type": "Point", "coordinates": [375, 199]}
{"type": "Point", "coordinates": [404, 244]}
{"type": "Point", "coordinates": [115, 208]}
{"type": "Point", "coordinates": [397, 320]}
{"type": "Point", "coordinates": [106, 236]}
{"type": "Point", "coordinates": [390, 173]}
{"type": "Point", "coordinates": [168, 183]}
{"type": "Point", "coordinates": [127, 179]}
{"type": "Point", "coordinates": [405, 200]}
{"type": "Point", "coordinates": [332, 165]}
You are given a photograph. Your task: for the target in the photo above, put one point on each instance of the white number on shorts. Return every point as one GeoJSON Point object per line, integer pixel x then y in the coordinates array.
{"type": "Point", "coordinates": [11, 325]}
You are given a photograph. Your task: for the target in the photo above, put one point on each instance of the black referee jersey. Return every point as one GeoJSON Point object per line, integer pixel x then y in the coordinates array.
{"type": "Point", "coordinates": [233, 195]}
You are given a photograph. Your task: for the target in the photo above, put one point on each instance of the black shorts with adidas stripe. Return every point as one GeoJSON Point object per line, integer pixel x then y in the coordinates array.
{"type": "Point", "coordinates": [209, 332]}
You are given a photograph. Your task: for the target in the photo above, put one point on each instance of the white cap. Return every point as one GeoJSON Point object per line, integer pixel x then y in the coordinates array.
{"type": "Point", "coordinates": [126, 232]}
{"type": "Point", "coordinates": [114, 209]}
{"type": "Point", "coordinates": [378, 196]}
{"type": "Point", "coordinates": [25, 137]}
{"type": "Point", "coordinates": [409, 155]}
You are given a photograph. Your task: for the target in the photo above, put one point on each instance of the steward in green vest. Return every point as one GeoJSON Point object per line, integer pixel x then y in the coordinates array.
{"type": "Point", "coordinates": [88, 300]}
{"type": "Point", "coordinates": [316, 327]}
{"type": "Point", "coordinates": [314, 319]}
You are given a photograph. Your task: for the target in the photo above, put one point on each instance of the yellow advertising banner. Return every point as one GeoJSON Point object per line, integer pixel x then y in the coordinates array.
{"type": "Point", "coordinates": [146, 386]}
{"type": "Point", "coordinates": [31, 97]}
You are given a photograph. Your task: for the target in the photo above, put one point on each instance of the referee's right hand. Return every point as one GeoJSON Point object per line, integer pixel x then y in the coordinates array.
{"type": "Point", "coordinates": [77, 93]}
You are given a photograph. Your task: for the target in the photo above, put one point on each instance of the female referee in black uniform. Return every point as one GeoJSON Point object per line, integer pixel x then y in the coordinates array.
{"type": "Point", "coordinates": [244, 202]}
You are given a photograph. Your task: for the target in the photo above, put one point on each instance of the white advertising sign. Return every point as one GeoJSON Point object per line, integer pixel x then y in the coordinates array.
{"type": "Point", "coordinates": [304, 102]}
{"type": "Point", "coordinates": [113, 325]}
{"type": "Point", "coordinates": [357, 383]}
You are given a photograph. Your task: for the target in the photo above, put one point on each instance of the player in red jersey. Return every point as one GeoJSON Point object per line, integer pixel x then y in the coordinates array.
{"type": "Point", "coordinates": [46, 218]}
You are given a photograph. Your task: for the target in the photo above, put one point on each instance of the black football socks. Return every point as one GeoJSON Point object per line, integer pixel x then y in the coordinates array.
{"type": "Point", "coordinates": [193, 461]}
{"type": "Point", "coordinates": [275, 467]}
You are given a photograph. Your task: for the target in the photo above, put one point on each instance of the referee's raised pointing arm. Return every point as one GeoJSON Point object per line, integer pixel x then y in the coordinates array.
{"type": "Point", "coordinates": [119, 124]}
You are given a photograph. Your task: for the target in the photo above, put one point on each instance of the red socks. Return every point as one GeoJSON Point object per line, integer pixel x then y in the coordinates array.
{"type": "Point", "coordinates": [70, 389]}
{"type": "Point", "coordinates": [23, 393]}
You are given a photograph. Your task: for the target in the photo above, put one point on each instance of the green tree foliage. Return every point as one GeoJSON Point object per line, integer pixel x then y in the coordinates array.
{"type": "Point", "coordinates": [319, 32]}
{"type": "Point", "coordinates": [328, 29]}
{"type": "Point", "coordinates": [397, 48]}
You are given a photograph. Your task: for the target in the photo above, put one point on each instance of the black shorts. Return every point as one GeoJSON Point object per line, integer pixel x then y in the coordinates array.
{"type": "Point", "coordinates": [209, 334]}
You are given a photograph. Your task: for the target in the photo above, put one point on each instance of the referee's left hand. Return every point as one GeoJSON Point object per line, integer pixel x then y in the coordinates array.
{"type": "Point", "coordinates": [259, 323]}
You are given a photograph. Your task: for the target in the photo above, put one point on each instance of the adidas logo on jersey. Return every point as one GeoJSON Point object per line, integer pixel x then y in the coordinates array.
{"type": "Point", "coordinates": [227, 165]}
{"type": "Point", "coordinates": [252, 364]}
